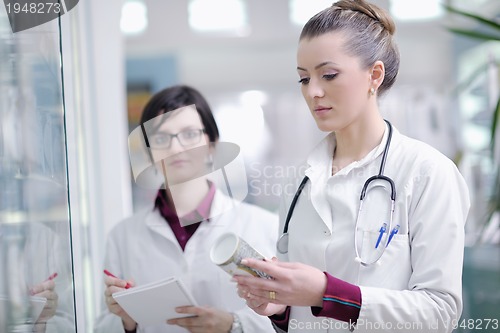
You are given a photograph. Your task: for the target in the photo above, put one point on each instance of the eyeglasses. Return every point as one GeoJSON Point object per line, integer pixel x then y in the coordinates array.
{"type": "Point", "coordinates": [186, 138]}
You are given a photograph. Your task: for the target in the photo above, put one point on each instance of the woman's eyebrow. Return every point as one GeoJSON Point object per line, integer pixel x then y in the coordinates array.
{"type": "Point", "coordinates": [318, 66]}
{"type": "Point", "coordinates": [324, 64]}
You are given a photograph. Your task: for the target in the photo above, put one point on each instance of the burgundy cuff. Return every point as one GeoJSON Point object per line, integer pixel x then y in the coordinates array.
{"type": "Point", "coordinates": [281, 321]}
{"type": "Point", "coordinates": [134, 330]}
{"type": "Point", "coordinates": [342, 301]}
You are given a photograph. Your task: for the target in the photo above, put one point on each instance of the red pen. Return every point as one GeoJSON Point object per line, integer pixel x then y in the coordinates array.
{"type": "Point", "coordinates": [52, 277]}
{"type": "Point", "coordinates": [108, 273]}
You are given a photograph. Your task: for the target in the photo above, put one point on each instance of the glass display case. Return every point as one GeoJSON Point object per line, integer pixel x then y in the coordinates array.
{"type": "Point", "coordinates": [36, 280]}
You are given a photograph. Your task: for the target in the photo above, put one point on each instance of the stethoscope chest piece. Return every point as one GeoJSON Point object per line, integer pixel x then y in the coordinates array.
{"type": "Point", "coordinates": [282, 244]}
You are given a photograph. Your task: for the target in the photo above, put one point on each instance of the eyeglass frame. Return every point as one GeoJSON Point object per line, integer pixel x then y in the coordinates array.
{"type": "Point", "coordinates": [200, 131]}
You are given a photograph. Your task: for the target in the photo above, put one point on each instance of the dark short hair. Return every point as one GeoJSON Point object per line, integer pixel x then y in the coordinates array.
{"type": "Point", "coordinates": [178, 96]}
{"type": "Point", "coordinates": [368, 32]}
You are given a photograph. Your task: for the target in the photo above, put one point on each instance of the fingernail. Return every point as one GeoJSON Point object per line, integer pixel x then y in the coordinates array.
{"type": "Point", "coordinates": [179, 310]}
{"type": "Point", "coordinates": [233, 279]}
{"type": "Point", "coordinates": [244, 261]}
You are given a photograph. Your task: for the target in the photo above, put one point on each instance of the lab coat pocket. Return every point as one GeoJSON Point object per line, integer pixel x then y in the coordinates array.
{"type": "Point", "coordinates": [392, 265]}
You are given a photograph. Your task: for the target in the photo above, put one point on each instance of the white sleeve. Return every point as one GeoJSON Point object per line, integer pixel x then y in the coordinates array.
{"type": "Point", "coordinates": [108, 322]}
{"type": "Point", "coordinates": [438, 210]}
{"type": "Point", "coordinates": [50, 255]}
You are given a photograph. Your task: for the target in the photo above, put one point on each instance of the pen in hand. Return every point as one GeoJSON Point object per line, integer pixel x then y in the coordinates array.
{"type": "Point", "coordinates": [108, 273]}
{"type": "Point", "coordinates": [51, 277]}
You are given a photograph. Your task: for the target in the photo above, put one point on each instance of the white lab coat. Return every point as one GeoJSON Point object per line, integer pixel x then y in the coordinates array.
{"type": "Point", "coordinates": [417, 286]}
{"type": "Point", "coordinates": [44, 254]}
{"type": "Point", "coordinates": [144, 248]}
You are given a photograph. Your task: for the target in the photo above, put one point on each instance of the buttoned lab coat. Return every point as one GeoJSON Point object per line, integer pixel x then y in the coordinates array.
{"type": "Point", "coordinates": [417, 286]}
{"type": "Point", "coordinates": [144, 248]}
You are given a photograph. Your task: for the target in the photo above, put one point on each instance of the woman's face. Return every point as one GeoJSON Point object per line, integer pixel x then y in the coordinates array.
{"type": "Point", "coordinates": [334, 85]}
{"type": "Point", "coordinates": [173, 142]}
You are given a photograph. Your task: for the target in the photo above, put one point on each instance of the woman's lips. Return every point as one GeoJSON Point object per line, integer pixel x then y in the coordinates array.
{"type": "Point", "coordinates": [320, 110]}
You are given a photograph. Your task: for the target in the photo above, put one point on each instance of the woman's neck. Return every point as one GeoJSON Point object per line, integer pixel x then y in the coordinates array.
{"type": "Point", "coordinates": [356, 141]}
{"type": "Point", "coordinates": [186, 197]}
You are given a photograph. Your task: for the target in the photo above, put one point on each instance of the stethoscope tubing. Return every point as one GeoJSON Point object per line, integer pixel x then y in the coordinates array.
{"type": "Point", "coordinates": [294, 202]}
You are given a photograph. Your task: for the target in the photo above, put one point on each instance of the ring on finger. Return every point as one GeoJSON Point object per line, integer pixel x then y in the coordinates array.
{"type": "Point", "coordinates": [272, 295]}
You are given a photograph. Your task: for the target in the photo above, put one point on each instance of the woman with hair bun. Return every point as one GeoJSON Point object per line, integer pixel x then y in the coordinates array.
{"type": "Point", "coordinates": [373, 238]}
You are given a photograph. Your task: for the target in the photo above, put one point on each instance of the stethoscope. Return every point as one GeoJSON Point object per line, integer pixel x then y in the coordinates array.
{"type": "Point", "coordinates": [282, 244]}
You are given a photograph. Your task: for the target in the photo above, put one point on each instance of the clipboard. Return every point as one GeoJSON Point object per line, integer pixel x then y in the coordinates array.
{"type": "Point", "coordinates": [155, 303]}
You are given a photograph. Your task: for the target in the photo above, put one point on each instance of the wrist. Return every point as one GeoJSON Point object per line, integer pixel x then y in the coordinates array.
{"type": "Point", "coordinates": [236, 325]}
{"type": "Point", "coordinates": [40, 327]}
{"type": "Point", "coordinates": [318, 301]}
{"type": "Point", "coordinates": [129, 325]}
{"type": "Point", "coordinates": [281, 312]}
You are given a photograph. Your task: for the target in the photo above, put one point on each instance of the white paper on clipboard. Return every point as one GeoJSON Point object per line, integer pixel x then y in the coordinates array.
{"type": "Point", "coordinates": [155, 302]}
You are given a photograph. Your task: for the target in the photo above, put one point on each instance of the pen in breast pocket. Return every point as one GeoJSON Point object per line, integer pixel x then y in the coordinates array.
{"type": "Point", "coordinates": [381, 233]}
{"type": "Point", "coordinates": [393, 232]}
{"type": "Point", "coordinates": [108, 273]}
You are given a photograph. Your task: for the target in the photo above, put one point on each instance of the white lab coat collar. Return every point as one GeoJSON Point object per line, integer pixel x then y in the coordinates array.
{"type": "Point", "coordinates": [320, 166]}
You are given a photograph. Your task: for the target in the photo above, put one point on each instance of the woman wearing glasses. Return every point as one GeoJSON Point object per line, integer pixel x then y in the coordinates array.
{"type": "Point", "coordinates": [173, 236]}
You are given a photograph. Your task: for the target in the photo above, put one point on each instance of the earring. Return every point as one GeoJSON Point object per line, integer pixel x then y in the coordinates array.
{"type": "Point", "coordinates": [372, 91]}
{"type": "Point", "coordinates": [210, 162]}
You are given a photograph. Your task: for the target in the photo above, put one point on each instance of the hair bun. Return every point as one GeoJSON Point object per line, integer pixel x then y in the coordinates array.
{"type": "Point", "coordinates": [374, 12]}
